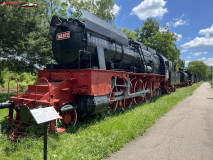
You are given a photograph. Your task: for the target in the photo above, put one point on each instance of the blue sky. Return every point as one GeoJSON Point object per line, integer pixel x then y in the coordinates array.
{"type": "Point", "coordinates": [191, 20]}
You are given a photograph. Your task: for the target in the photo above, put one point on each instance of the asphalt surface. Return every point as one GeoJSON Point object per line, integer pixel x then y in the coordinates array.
{"type": "Point", "coordinates": [184, 133]}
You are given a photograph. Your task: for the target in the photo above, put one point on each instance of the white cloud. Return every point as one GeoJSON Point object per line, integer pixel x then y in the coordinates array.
{"type": "Point", "coordinates": [208, 32]}
{"type": "Point", "coordinates": [197, 53]}
{"type": "Point", "coordinates": [150, 8]}
{"type": "Point", "coordinates": [179, 21]}
{"type": "Point", "coordinates": [209, 61]}
{"type": "Point", "coordinates": [116, 9]}
{"type": "Point", "coordinates": [184, 50]}
{"type": "Point", "coordinates": [200, 43]}
{"type": "Point", "coordinates": [205, 42]}
{"type": "Point", "coordinates": [179, 36]}
{"type": "Point", "coordinates": [176, 19]}
{"type": "Point", "coordinates": [203, 58]}
{"type": "Point", "coordinates": [188, 57]}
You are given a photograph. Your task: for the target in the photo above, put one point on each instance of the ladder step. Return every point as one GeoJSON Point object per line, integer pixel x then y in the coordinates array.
{"type": "Point", "coordinates": [47, 101]}
{"type": "Point", "coordinates": [36, 95]}
{"type": "Point", "coordinates": [40, 88]}
{"type": "Point", "coordinates": [18, 99]}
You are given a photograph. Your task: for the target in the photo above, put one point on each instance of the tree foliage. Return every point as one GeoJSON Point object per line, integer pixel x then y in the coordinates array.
{"type": "Point", "coordinates": [130, 33]}
{"type": "Point", "coordinates": [149, 29]}
{"type": "Point", "coordinates": [199, 68]}
{"type": "Point", "coordinates": [100, 8]}
{"type": "Point", "coordinates": [24, 37]}
{"type": "Point", "coordinates": [162, 40]}
{"type": "Point", "coordinates": [180, 63]}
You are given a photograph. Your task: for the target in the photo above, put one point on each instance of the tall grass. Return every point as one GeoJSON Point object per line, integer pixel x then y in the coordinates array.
{"type": "Point", "coordinates": [97, 138]}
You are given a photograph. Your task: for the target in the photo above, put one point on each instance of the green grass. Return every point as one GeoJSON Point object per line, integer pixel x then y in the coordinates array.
{"type": "Point", "coordinates": [24, 79]}
{"type": "Point", "coordinates": [97, 138]}
{"type": "Point", "coordinates": [211, 82]}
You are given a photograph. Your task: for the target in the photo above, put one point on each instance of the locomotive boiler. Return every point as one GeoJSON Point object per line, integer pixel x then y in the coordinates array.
{"type": "Point", "coordinates": [98, 67]}
{"type": "Point", "coordinates": [94, 43]}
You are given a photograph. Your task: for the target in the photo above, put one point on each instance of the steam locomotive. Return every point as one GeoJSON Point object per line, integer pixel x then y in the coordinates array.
{"type": "Point", "coordinates": [99, 67]}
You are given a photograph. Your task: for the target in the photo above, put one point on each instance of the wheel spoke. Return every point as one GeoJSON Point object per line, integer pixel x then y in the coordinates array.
{"type": "Point", "coordinates": [128, 102]}
{"type": "Point", "coordinates": [113, 105]}
{"type": "Point", "coordinates": [139, 86]}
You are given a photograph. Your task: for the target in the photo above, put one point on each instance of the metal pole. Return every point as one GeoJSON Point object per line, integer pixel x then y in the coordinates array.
{"type": "Point", "coordinates": [45, 141]}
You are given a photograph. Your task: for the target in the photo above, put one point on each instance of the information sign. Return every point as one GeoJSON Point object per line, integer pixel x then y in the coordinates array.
{"type": "Point", "coordinates": [42, 115]}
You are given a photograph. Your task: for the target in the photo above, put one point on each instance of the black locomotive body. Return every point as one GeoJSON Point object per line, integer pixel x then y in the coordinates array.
{"type": "Point", "coordinates": [96, 44]}
{"type": "Point", "coordinates": [186, 77]}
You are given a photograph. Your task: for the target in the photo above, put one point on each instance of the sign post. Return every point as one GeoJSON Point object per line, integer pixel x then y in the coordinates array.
{"type": "Point", "coordinates": [44, 115]}
{"type": "Point", "coordinates": [45, 141]}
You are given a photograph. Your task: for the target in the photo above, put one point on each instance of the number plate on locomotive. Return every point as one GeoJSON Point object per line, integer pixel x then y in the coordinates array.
{"type": "Point", "coordinates": [63, 35]}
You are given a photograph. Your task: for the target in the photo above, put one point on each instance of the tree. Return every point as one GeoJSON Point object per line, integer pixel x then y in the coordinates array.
{"type": "Point", "coordinates": [55, 7]}
{"type": "Point", "coordinates": [100, 8]}
{"type": "Point", "coordinates": [149, 29]}
{"type": "Point", "coordinates": [163, 41]}
{"type": "Point", "coordinates": [180, 63]}
{"type": "Point", "coordinates": [130, 33]}
{"type": "Point", "coordinates": [25, 43]}
{"type": "Point", "coordinates": [199, 68]}
{"type": "Point", "coordinates": [24, 37]}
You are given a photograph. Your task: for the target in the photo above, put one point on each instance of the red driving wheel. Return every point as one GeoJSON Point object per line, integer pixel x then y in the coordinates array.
{"type": "Point", "coordinates": [69, 117]}
{"type": "Point", "coordinates": [139, 86]}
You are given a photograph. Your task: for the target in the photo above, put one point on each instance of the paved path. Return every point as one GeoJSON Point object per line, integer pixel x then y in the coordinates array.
{"type": "Point", "coordinates": [185, 133]}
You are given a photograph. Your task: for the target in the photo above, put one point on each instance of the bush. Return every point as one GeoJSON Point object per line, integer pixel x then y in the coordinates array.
{"type": "Point", "coordinates": [24, 79]}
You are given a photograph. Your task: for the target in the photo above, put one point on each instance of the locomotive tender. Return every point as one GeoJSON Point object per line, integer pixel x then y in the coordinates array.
{"type": "Point", "coordinates": [98, 67]}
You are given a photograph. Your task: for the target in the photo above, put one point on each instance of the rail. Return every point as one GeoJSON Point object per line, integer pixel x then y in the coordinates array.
{"type": "Point", "coordinates": [9, 86]}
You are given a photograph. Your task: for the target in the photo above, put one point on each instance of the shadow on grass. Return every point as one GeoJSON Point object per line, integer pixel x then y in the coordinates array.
{"type": "Point", "coordinates": [86, 122]}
